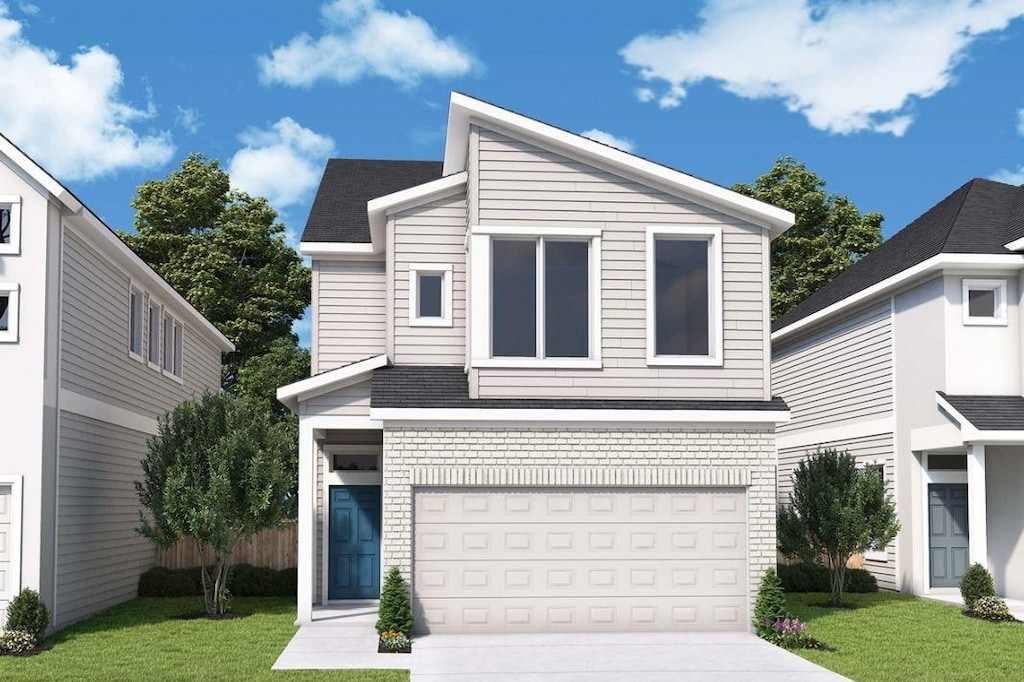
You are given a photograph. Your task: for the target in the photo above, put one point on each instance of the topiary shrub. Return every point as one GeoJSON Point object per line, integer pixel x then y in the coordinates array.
{"type": "Point", "coordinates": [976, 583]}
{"type": "Point", "coordinates": [771, 605]}
{"type": "Point", "coordinates": [991, 608]}
{"type": "Point", "coordinates": [14, 642]}
{"type": "Point", "coordinates": [395, 614]}
{"type": "Point", "coordinates": [28, 613]}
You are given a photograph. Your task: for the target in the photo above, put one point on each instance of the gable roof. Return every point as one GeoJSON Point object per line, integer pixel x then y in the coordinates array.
{"type": "Point", "coordinates": [339, 209]}
{"type": "Point", "coordinates": [980, 217]}
{"type": "Point", "coordinates": [989, 412]}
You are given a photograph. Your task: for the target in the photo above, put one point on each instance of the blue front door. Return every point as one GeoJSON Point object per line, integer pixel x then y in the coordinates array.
{"type": "Point", "coordinates": [353, 562]}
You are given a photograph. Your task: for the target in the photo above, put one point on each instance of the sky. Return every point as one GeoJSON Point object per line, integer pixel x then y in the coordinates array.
{"type": "Point", "coordinates": [895, 103]}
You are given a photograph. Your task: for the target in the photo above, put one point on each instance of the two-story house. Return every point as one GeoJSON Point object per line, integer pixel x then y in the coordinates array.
{"type": "Point", "coordinates": [911, 360]}
{"type": "Point", "coordinates": [541, 386]}
{"type": "Point", "coordinates": [94, 346]}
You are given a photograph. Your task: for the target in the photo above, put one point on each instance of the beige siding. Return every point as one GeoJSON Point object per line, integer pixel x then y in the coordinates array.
{"type": "Point", "coordinates": [432, 233]}
{"type": "Point", "coordinates": [522, 184]}
{"type": "Point", "coordinates": [839, 375]}
{"type": "Point", "coordinates": [99, 555]}
{"type": "Point", "coordinates": [349, 312]}
{"type": "Point", "coordinates": [350, 401]}
{"type": "Point", "coordinates": [94, 341]}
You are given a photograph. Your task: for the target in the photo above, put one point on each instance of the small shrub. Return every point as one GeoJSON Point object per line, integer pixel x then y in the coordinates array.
{"type": "Point", "coordinates": [14, 642]}
{"type": "Point", "coordinates": [976, 583]}
{"type": "Point", "coordinates": [802, 577]}
{"type": "Point", "coordinates": [786, 632]}
{"type": "Point", "coordinates": [858, 581]}
{"type": "Point", "coordinates": [991, 608]}
{"type": "Point", "coordinates": [395, 612]}
{"type": "Point", "coordinates": [395, 642]}
{"type": "Point", "coordinates": [771, 603]}
{"type": "Point", "coordinates": [243, 581]}
{"type": "Point", "coordinates": [28, 613]}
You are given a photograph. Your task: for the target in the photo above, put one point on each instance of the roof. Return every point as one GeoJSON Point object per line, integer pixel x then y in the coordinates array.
{"type": "Point", "coordinates": [980, 217]}
{"type": "Point", "coordinates": [989, 412]}
{"type": "Point", "coordinates": [448, 387]}
{"type": "Point", "coordinates": [339, 209]}
{"type": "Point", "coordinates": [325, 382]}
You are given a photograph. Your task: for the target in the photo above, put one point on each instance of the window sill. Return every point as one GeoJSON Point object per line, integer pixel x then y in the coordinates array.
{"type": "Point", "coordinates": [172, 376]}
{"type": "Point", "coordinates": [536, 363]}
{"type": "Point", "coordinates": [8, 337]}
{"type": "Point", "coordinates": [136, 357]}
{"type": "Point", "coordinates": [430, 322]}
{"type": "Point", "coordinates": [9, 250]}
{"type": "Point", "coordinates": [985, 322]}
{"type": "Point", "coordinates": [684, 361]}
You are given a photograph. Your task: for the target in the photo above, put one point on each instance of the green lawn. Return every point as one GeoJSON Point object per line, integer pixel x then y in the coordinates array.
{"type": "Point", "coordinates": [140, 641]}
{"type": "Point", "coordinates": [899, 637]}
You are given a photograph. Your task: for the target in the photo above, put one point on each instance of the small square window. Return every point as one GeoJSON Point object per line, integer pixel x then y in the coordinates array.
{"type": "Point", "coordinates": [431, 302]}
{"type": "Point", "coordinates": [8, 313]}
{"type": "Point", "coordinates": [984, 302]}
{"type": "Point", "coordinates": [10, 224]}
{"type": "Point", "coordinates": [430, 295]}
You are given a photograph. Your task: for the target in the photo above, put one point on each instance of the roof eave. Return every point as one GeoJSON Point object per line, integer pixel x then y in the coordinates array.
{"type": "Point", "coordinates": [293, 394]}
{"type": "Point", "coordinates": [378, 209]}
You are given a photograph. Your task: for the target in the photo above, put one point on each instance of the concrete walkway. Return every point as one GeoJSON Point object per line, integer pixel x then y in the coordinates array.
{"type": "Point", "coordinates": [1016, 606]}
{"type": "Point", "coordinates": [344, 638]}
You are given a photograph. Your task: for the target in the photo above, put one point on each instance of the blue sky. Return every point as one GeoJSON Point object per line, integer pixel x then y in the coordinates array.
{"type": "Point", "coordinates": [895, 103]}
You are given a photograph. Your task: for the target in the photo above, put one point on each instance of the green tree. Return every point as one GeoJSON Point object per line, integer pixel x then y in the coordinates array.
{"type": "Point", "coordinates": [835, 510]}
{"type": "Point", "coordinates": [215, 473]}
{"type": "Point", "coordinates": [771, 602]}
{"type": "Point", "coordinates": [395, 613]}
{"type": "Point", "coordinates": [829, 235]}
{"type": "Point", "coordinates": [225, 251]}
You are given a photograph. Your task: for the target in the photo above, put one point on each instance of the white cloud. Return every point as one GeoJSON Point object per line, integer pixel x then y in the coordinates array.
{"type": "Point", "coordinates": [188, 118]}
{"type": "Point", "coordinates": [603, 137]}
{"type": "Point", "coordinates": [70, 116]}
{"type": "Point", "coordinates": [644, 94]}
{"type": "Point", "coordinates": [28, 8]}
{"type": "Point", "coordinates": [1020, 121]}
{"type": "Point", "coordinates": [1010, 177]}
{"type": "Point", "coordinates": [847, 66]}
{"type": "Point", "coordinates": [364, 40]}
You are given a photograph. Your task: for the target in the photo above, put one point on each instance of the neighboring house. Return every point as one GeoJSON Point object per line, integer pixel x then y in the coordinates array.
{"type": "Point", "coordinates": [541, 386]}
{"type": "Point", "coordinates": [911, 360]}
{"type": "Point", "coordinates": [94, 346]}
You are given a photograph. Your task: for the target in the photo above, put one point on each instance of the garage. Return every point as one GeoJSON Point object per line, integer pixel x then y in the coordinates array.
{"type": "Point", "coordinates": [580, 560]}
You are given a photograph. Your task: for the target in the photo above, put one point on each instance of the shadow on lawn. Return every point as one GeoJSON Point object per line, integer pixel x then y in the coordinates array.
{"type": "Point", "coordinates": [811, 606]}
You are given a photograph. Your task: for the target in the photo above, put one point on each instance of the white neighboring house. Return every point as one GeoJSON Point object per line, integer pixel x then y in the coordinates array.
{"type": "Point", "coordinates": [94, 346]}
{"type": "Point", "coordinates": [541, 387]}
{"type": "Point", "coordinates": [911, 360]}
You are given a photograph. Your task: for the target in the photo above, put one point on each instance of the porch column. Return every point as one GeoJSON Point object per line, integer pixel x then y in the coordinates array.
{"type": "Point", "coordinates": [977, 514]}
{"type": "Point", "coordinates": [307, 522]}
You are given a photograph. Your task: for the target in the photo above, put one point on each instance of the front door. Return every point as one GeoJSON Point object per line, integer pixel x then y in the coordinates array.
{"type": "Point", "coordinates": [353, 562]}
{"type": "Point", "coordinates": [947, 533]}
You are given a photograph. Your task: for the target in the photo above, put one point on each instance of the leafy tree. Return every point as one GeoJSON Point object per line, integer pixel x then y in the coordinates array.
{"type": "Point", "coordinates": [835, 511]}
{"type": "Point", "coordinates": [395, 613]}
{"type": "Point", "coordinates": [215, 473]}
{"type": "Point", "coordinates": [829, 235]}
{"type": "Point", "coordinates": [224, 250]}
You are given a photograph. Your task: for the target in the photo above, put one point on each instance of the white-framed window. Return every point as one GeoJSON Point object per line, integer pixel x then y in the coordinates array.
{"type": "Point", "coordinates": [684, 295]}
{"type": "Point", "coordinates": [172, 346]}
{"type": "Point", "coordinates": [136, 318]}
{"type": "Point", "coordinates": [10, 224]}
{"type": "Point", "coordinates": [153, 340]}
{"type": "Point", "coordinates": [430, 295]}
{"type": "Point", "coordinates": [536, 297]}
{"type": "Point", "coordinates": [984, 302]}
{"type": "Point", "coordinates": [875, 553]}
{"type": "Point", "coordinates": [9, 295]}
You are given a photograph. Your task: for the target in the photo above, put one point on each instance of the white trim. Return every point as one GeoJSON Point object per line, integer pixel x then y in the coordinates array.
{"type": "Point", "coordinates": [1015, 245]}
{"type": "Point", "coordinates": [463, 109]}
{"type": "Point", "coordinates": [998, 287]}
{"type": "Point", "coordinates": [977, 512]}
{"type": "Point", "coordinates": [447, 299]}
{"type": "Point", "coordinates": [528, 231]}
{"type": "Point", "coordinates": [508, 415]}
{"type": "Point", "coordinates": [13, 291]}
{"type": "Point", "coordinates": [85, 406]}
{"type": "Point", "coordinates": [928, 478]}
{"type": "Point", "coordinates": [17, 519]}
{"type": "Point", "coordinates": [537, 363]}
{"type": "Point", "coordinates": [897, 575]}
{"type": "Point", "coordinates": [378, 209]}
{"type": "Point", "coordinates": [175, 322]}
{"type": "Point", "coordinates": [716, 327]}
{"type": "Point", "coordinates": [327, 249]}
{"type": "Point", "coordinates": [326, 422]}
{"type": "Point", "coordinates": [832, 434]}
{"type": "Point", "coordinates": [36, 172]}
{"type": "Point", "coordinates": [154, 305]}
{"type": "Point", "coordinates": [13, 247]}
{"type": "Point", "coordinates": [133, 288]}
{"type": "Point", "coordinates": [293, 394]}
{"type": "Point", "coordinates": [935, 263]}
{"type": "Point", "coordinates": [306, 511]}
{"type": "Point", "coordinates": [939, 437]}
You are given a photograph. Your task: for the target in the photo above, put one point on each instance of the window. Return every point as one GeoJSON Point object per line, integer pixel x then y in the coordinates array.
{"type": "Point", "coordinates": [947, 462]}
{"type": "Point", "coordinates": [136, 300]}
{"type": "Point", "coordinates": [153, 339]}
{"type": "Point", "coordinates": [8, 312]}
{"type": "Point", "coordinates": [354, 462]}
{"type": "Point", "coordinates": [172, 346]}
{"type": "Point", "coordinates": [430, 295]}
{"type": "Point", "coordinates": [684, 300]}
{"type": "Point", "coordinates": [10, 224]}
{"type": "Point", "coordinates": [874, 552]}
{"type": "Point", "coordinates": [984, 302]}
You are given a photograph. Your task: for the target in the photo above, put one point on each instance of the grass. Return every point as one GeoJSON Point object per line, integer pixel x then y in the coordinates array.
{"type": "Point", "coordinates": [140, 640]}
{"type": "Point", "coordinates": [899, 637]}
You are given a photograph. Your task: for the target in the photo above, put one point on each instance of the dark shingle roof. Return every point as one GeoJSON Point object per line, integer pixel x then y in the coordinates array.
{"type": "Point", "coordinates": [990, 412]}
{"type": "Point", "coordinates": [979, 217]}
{"type": "Point", "coordinates": [448, 387]}
{"type": "Point", "coordinates": [339, 209]}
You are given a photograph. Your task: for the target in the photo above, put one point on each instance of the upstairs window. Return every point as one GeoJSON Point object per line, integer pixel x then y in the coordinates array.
{"type": "Point", "coordinates": [10, 224]}
{"type": "Point", "coordinates": [8, 312]}
{"type": "Point", "coordinates": [172, 346]}
{"type": "Point", "coordinates": [153, 337]}
{"type": "Point", "coordinates": [984, 302]}
{"type": "Point", "coordinates": [136, 310]}
{"type": "Point", "coordinates": [430, 295]}
{"type": "Point", "coordinates": [876, 552]}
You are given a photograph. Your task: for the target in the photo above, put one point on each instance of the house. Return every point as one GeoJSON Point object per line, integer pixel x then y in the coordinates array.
{"type": "Point", "coordinates": [540, 386]}
{"type": "Point", "coordinates": [94, 346]}
{"type": "Point", "coordinates": [911, 360]}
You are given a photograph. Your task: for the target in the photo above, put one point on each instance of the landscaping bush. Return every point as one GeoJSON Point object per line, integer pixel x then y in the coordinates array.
{"type": "Point", "coordinates": [815, 578]}
{"type": "Point", "coordinates": [244, 580]}
{"type": "Point", "coordinates": [28, 613]}
{"type": "Point", "coordinates": [976, 583]}
{"type": "Point", "coordinates": [991, 608]}
{"type": "Point", "coordinates": [771, 603]}
{"type": "Point", "coordinates": [859, 581]}
{"type": "Point", "coordinates": [395, 613]}
{"type": "Point", "coordinates": [14, 642]}
{"type": "Point", "coordinates": [394, 643]}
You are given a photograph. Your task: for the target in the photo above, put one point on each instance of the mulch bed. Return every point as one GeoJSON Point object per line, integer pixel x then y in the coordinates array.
{"type": "Point", "coordinates": [202, 615]}
{"type": "Point", "coordinates": [382, 650]}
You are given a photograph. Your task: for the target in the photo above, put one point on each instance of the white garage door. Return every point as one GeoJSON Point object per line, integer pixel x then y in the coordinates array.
{"type": "Point", "coordinates": [6, 551]}
{"type": "Point", "coordinates": [555, 559]}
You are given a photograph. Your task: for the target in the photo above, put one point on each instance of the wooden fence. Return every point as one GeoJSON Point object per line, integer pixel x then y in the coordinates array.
{"type": "Point", "coordinates": [276, 548]}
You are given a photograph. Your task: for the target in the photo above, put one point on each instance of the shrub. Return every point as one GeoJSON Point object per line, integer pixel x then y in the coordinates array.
{"type": "Point", "coordinates": [14, 642]}
{"type": "Point", "coordinates": [395, 641]}
{"type": "Point", "coordinates": [243, 581]}
{"type": "Point", "coordinates": [815, 578]}
{"type": "Point", "coordinates": [28, 613]}
{"type": "Point", "coordinates": [786, 632]}
{"type": "Point", "coordinates": [976, 583]}
{"type": "Point", "coordinates": [859, 580]}
{"type": "Point", "coordinates": [771, 602]}
{"type": "Point", "coordinates": [991, 608]}
{"type": "Point", "coordinates": [395, 610]}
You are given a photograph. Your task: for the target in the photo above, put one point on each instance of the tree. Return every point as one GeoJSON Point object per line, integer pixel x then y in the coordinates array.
{"type": "Point", "coordinates": [224, 250]}
{"type": "Point", "coordinates": [835, 511]}
{"type": "Point", "coordinates": [395, 610]}
{"type": "Point", "coordinates": [215, 473]}
{"type": "Point", "coordinates": [770, 604]}
{"type": "Point", "coordinates": [830, 233]}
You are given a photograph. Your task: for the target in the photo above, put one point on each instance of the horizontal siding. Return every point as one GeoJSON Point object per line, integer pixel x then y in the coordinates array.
{"type": "Point", "coordinates": [94, 341]}
{"type": "Point", "coordinates": [99, 555]}
{"type": "Point", "coordinates": [350, 312]}
{"type": "Point", "coordinates": [874, 448]}
{"type": "Point", "coordinates": [432, 233]}
{"type": "Point", "coordinates": [350, 401]}
{"type": "Point", "coordinates": [839, 375]}
{"type": "Point", "coordinates": [522, 184]}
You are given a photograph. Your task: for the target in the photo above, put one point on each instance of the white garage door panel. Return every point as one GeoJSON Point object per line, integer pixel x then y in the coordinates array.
{"type": "Point", "coordinates": [546, 560]}
{"type": "Point", "coordinates": [6, 528]}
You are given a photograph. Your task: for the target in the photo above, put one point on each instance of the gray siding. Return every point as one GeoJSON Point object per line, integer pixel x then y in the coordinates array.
{"type": "Point", "coordinates": [839, 375]}
{"type": "Point", "coordinates": [432, 233]}
{"type": "Point", "coordinates": [99, 555]}
{"type": "Point", "coordinates": [521, 184]}
{"type": "Point", "coordinates": [349, 312]}
{"type": "Point", "coordinates": [353, 401]}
